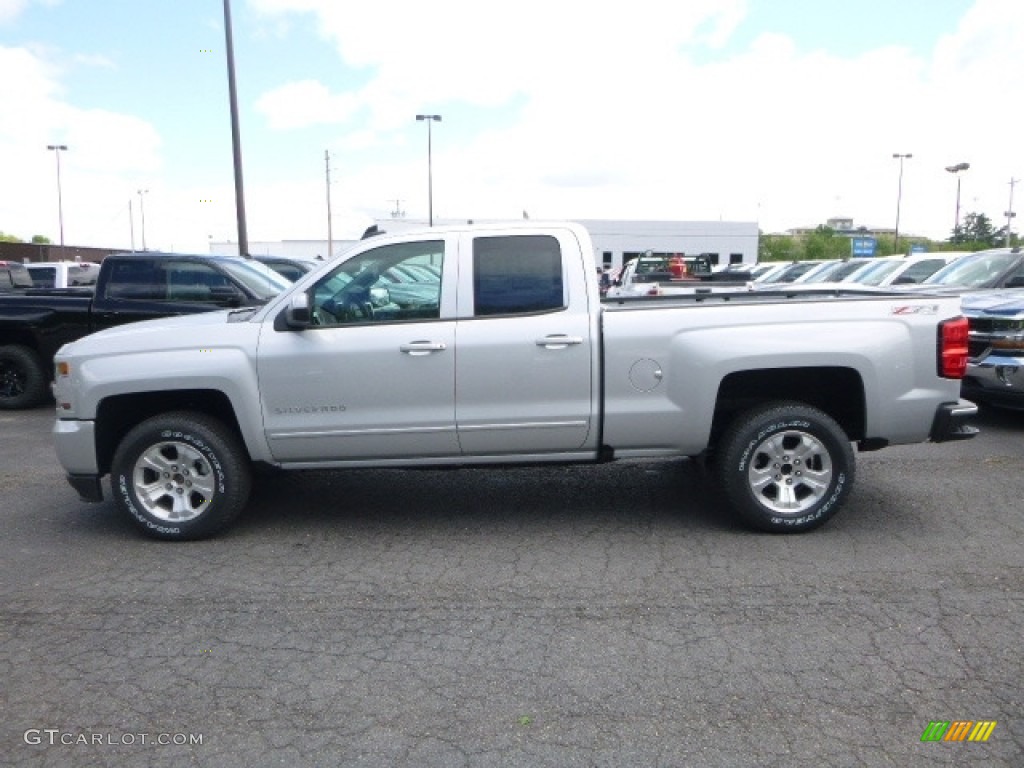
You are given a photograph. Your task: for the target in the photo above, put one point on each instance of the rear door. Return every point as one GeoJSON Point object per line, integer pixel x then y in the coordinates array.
{"type": "Point", "coordinates": [525, 369]}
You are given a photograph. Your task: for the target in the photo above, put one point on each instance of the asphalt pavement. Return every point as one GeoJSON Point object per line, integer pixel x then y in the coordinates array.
{"type": "Point", "coordinates": [588, 616]}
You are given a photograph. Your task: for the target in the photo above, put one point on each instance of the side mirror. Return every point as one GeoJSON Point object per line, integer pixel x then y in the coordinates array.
{"type": "Point", "coordinates": [380, 297]}
{"type": "Point", "coordinates": [226, 296]}
{"type": "Point", "coordinates": [297, 314]}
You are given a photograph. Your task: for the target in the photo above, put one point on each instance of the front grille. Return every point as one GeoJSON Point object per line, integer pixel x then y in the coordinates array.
{"type": "Point", "coordinates": [995, 325]}
{"type": "Point", "coordinates": [977, 348]}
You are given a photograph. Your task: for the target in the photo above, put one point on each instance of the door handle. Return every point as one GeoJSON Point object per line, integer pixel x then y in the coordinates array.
{"type": "Point", "coordinates": [418, 348]}
{"type": "Point", "coordinates": [559, 341]}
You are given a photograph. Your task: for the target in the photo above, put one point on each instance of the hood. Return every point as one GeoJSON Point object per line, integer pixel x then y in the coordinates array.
{"type": "Point", "coordinates": [1002, 303]}
{"type": "Point", "coordinates": [162, 333]}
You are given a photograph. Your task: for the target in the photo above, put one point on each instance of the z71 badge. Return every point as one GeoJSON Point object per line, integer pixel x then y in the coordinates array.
{"type": "Point", "coordinates": [916, 309]}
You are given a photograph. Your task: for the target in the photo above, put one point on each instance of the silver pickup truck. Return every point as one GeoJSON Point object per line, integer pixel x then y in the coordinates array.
{"type": "Point", "coordinates": [491, 346]}
{"type": "Point", "coordinates": [995, 369]}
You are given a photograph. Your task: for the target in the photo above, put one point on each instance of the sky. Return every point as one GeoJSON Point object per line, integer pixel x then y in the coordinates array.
{"type": "Point", "coordinates": [782, 112]}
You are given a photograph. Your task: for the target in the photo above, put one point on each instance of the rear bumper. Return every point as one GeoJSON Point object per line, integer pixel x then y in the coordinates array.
{"type": "Point", "coordinates": [950, 422]}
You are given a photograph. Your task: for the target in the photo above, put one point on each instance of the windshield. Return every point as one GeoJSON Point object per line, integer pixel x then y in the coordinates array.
{"type": "Point", "coordinates": [975, 270]}
{"type": "Point", "coordinates": [264, 282]}
{"type": "Point", "coordinates": [874, 274]}
{"type": "Point", "coordinates": [819, 273]}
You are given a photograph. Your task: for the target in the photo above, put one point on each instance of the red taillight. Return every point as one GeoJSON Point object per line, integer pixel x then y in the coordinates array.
{"type": "Point", "coordinates": [952, 348]}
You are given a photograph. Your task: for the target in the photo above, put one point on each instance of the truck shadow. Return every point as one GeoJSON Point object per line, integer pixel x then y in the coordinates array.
{"type": "Point", "coordinates": [669, 492]}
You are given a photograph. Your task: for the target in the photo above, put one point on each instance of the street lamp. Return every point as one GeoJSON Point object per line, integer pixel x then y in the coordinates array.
{"type": "Point", "coordinates": [430, 165]}
{"type": "Point", "coordinates": [899, 198]}
{"type": "Point", "coordinates": [142, 215]}
{"type": "Point", "coordinates": [955, 170]}
{"type": "Point", "coordinates": [57, 149]}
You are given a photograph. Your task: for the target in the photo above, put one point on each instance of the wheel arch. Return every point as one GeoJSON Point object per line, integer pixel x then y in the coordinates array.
{"type": "Point", "coordinates": [118, 414]}
{"type": "Point", "coordinates": [836, 391]}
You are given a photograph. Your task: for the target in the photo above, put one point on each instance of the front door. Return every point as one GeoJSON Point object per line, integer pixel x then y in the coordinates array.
{"type": "Point", "coordinates": [374, 378]}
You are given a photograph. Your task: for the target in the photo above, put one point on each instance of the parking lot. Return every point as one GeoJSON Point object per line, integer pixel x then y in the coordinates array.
{"type": "Point", "coordinates": [587, 616]}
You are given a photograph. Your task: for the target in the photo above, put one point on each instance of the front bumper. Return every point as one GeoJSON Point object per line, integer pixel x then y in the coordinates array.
{"type": "Point", "coordinates": [88, 487]}
{"type": "Point", "coordinates": [950, 422]}
{"type": "Point", "coordinates": [75, 443]}
{"type": "Point", "coordinates": [997, 380]}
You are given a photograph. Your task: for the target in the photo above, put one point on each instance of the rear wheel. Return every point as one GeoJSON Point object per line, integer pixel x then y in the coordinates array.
{"type": "Point", "coordinates": [181, 476]}
{"type": "Point", "coordinates": [785, 467]}
{"type": "Point", "coordinates": [22, 378]}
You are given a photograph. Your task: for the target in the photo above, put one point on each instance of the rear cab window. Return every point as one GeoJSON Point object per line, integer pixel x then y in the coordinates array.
{"type": "Point", "coordinates": [43, 277]}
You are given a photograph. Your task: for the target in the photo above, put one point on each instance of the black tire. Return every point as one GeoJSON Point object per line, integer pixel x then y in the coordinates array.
{"type": "Point", "coordinates": [22, 378]}
{"type": "Point", "coordinates": [181, 476]}
{"type": "Point", "coordinates": [785, 467]}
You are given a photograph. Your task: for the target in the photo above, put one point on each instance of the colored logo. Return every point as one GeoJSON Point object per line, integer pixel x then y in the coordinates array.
{"type": "Point", "coordinates": [958, 730]}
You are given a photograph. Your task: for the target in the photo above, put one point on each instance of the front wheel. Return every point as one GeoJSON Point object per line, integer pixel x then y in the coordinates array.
{"type": "Point", "coordinates": [181, 476]}
{"type": "Point", "coordinates": [785, 467]}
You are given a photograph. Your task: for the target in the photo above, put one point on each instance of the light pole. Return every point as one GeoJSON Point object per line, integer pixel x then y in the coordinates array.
{"type": "Point", "coordinates": [142, 215]}
{"type": "Point", "coordinates": [955, 170]}
{"type": "Point", "coordinates": [57, 149]}
{"type": "Point", "coordinates": [899, 198]}
{"type": "Point", "coordinates": [430, 165]}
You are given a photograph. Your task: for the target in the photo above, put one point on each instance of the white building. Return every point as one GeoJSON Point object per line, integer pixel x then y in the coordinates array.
{"type": "Point", "coordinates": [723, 242]}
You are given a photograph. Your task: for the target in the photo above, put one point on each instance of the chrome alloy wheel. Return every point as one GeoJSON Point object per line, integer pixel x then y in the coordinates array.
{"type": "Point", "coordinates": [173, 481]}
{"type": "Point", "coordinates": [790, 472]}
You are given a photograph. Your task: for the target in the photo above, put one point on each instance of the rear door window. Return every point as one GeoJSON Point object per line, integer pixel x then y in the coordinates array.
{"type": "Point", "coordinates": [517, 274]}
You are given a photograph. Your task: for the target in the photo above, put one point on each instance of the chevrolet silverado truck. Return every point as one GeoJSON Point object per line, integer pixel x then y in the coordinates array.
{"type": "Point", "coordinates": [34, 323]}
{"type": "Point", "coordinates": [508, 357]}
{"type": "Point", "coordinates": [995, 368]}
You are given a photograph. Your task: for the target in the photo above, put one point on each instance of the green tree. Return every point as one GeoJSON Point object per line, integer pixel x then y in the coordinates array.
{"type": "Point", "coordinates": [976, 230]}
{"type": "Point", "coordinates": [41, 240]}
{"type": "Point", "coordinates": [824, 243]}
{"type": "Point", "coordinates": [5, 238]}
{"type": "Point", "coordinates": [778, 248]}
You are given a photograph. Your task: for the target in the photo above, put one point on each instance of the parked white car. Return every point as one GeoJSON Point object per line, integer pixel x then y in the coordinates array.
{"type": "Point", "coordinates": [902, 270]}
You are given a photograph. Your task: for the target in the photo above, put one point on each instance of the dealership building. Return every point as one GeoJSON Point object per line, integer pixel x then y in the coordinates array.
{"type": "Point", "coordinates": [721, 242]}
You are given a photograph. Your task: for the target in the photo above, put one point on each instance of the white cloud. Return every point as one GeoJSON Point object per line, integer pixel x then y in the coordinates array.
{"type": "Point", "coordinates": [304, 103]}
{"type": "Point", "coordinates": [107, 152]}
{"type": "Point", "coordinates": [617, 117]}
{"type": "Point", "coordinates": [644, 110]}
{"type": "Point", "coordinates": [11, 8]}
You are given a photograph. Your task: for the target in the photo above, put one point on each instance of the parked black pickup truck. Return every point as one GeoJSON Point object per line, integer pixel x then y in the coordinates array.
{"type": "Point", "coordinates": [131, 286]}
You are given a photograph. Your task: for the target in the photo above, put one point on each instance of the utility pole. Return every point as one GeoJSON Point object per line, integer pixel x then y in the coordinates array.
{"type": "Point", "coordinates": [1009, 211]}
{"type": "Point", "coordinates": [142, 214]}
{"type": "Point", "coordinates": [236, 138]}
{"type": "Point", "coordinates": [330, 231]}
